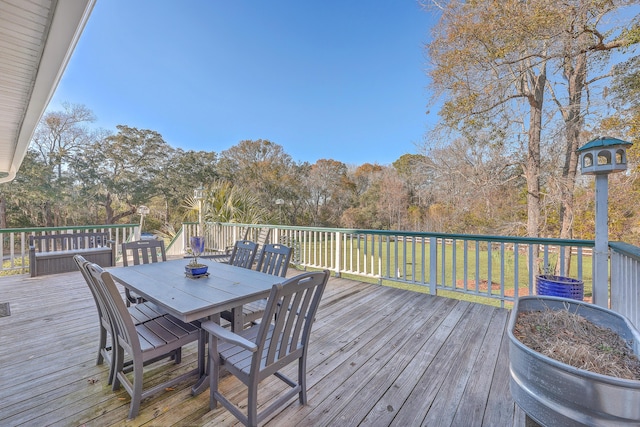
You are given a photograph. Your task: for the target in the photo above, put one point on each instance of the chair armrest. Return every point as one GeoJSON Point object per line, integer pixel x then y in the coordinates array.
{"type": "Point", "coordinates": [226, 335]}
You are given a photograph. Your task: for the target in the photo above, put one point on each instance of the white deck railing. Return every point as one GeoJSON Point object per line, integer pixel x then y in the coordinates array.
{"type": "Point", "coordinates": [439, 262]}
{"type": "Point", "coordinates": [625, 280]}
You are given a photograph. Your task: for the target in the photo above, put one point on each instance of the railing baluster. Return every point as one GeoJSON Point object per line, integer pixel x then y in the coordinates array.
{"type": "Point", "coordinates": [489, 266]}
{"type": "Point", "coordinates": [465, 274]}
{"type": "Point", "coordinates": [502, 256]}
{"type": "Point", "coordinates": [477, 267]}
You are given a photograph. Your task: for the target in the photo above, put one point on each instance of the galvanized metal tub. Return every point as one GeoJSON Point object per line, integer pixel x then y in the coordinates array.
{"type": "Point", "coordinates": [553, 393]}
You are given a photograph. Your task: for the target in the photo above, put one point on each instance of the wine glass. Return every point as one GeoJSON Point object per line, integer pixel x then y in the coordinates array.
{"type": "Point", "coordinates": [197, 246]}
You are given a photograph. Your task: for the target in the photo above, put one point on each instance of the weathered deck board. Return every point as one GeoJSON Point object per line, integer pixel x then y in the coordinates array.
{"type": "Point", "coordinates": [378, 356]}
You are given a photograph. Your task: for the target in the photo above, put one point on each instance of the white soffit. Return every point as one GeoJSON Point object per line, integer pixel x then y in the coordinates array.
{"type": "Point", "coordinates": [37, 38]}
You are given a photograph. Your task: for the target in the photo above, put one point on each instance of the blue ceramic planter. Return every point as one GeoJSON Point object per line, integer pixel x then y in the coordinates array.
{"type": "Point", "coordinates": [196, 271]}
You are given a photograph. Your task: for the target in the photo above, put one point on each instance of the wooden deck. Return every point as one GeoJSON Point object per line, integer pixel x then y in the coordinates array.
{"type": "Point", "coordinates": [378, 357]}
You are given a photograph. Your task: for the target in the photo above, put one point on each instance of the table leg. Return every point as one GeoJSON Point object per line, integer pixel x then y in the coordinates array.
{"type": "Point", "coordinates": [203, 382]}
{"type": "Point", "coordinates": [238, 319]}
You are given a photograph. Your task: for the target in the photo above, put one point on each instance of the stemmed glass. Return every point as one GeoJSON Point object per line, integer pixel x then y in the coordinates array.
{"type": "Point", "coordinates": [197, 246]}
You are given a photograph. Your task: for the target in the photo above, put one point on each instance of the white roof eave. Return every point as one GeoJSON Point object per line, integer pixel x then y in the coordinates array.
{"type": "Point", "coordinates": [65, 27]}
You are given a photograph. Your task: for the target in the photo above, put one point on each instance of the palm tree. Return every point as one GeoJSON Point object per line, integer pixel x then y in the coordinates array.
{"type": "Point", "coordinates": [224, 202]}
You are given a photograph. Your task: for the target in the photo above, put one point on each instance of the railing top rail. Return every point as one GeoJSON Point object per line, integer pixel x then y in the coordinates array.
{"type": "Point", "coordinates": [476, 237]}
{"type": "Point", "coordinates": [626, 249]}
{"type": "Point", "coordinates": [69, 227]}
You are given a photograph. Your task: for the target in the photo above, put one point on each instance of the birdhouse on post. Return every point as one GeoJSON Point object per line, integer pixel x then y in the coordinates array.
{"type": "Point", "coordinates": [603, 156]}
{"type": "Point", "coordinates": [600, 157]}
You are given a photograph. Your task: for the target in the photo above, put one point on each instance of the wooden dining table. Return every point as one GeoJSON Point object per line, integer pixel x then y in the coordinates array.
{"type": "Point", "coordinates": [225, 288]}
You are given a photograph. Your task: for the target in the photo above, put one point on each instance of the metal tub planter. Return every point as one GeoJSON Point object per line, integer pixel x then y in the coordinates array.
{"type": "Point", "coordinates": [553, 393]}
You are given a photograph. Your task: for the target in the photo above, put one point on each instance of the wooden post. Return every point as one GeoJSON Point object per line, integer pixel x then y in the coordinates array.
{"type": "Point", "coordinates": [601, 250]}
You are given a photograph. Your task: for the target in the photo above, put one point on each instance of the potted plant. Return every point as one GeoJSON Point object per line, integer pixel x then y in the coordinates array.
{"type": "Point", "coordinates": [194, 268]}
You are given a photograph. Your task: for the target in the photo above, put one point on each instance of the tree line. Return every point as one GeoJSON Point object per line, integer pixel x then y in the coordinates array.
{"type": "Point", "coordinates": [73, 174]}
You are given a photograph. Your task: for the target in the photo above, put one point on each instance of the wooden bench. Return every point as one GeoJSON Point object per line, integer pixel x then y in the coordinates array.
{"type": "Point", "coordinates": [50, 254]}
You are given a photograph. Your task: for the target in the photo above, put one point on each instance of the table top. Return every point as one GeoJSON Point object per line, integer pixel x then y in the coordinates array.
{"type": "Point", "coordinates": [165, 284]}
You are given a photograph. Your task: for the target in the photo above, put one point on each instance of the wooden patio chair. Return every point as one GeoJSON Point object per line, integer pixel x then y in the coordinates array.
{"type": "Point", "coordinates": [142, 343]}
{"type": "Point", "coordinates": [104, 347]}
{"type": "Point", "coordinates": [274, 260]}
{"type": "Point", "coordinates": [243, 254]}
{"type": "Point", "coordinates": [140, 313]}
{"type": "Point", "coordinates": [141, 252]}
{"type": "Point", "coordinates": [264, 349]}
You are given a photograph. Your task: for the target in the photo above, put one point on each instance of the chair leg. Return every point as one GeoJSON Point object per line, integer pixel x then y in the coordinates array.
{"type": "Point", "coordinates": [103, 345]}
{"type": "Point", "coordinates": [111, 358]}
{"type": "Point", "coordinates": [102, 351]}
{"type": "Point", "coordinates": [136, 395]}
{"type": "Point", "coordinates": [117, 361]}
{"type": "Point", "coordinates": [252, 404]}
{"type": "Point", "coordinates": [112, 369]}
{"type": "Point", "coordinates": [214, 371]}
{"type": "Point", "coordinates": [302, 379]}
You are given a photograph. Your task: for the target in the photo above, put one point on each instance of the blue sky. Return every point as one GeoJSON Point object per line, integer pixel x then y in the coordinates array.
{"type": "Point", "coordinates": [338, 79]}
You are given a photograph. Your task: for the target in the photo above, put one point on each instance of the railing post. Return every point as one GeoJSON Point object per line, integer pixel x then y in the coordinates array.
{"type": "Point", "coordinates": [433, 265]}
{"type": "Point", "coordinates": [185, 237]}
{"type": "Point", "coordinates": [338, 259]}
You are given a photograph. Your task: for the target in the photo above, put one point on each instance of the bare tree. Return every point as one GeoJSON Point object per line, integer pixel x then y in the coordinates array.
{"type": "Point", "coordinates": [328, 189]}
{"type": "Point", "coordinates": [474, 186]}
{"type": "Point", "coordinates": [393, 203]}
{"type": "Point", "coordinates": [488, 55]}
{"type": "Point", "coordinates": [487, 60]}
{"type": "Point", "coordinates": [62, 134]}
{"type": "Point", "coordinates": [59, 138]}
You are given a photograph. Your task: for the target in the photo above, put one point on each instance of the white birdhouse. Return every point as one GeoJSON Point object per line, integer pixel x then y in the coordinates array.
{"type": "Point", "coordinates": [603, 156]}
